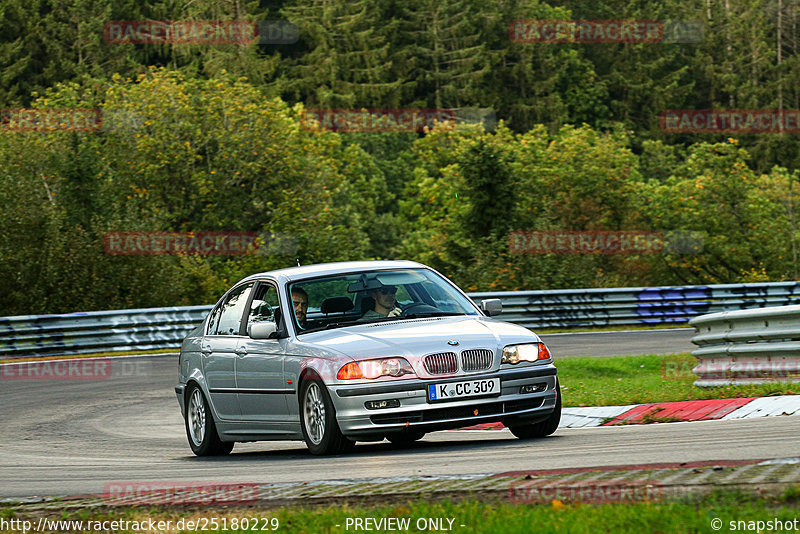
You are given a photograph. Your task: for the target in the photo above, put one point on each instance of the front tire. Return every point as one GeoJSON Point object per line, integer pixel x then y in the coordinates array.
{"type": "Point", "coordinates": [318, 421]}
{"type": "Point", "coordinates": [542, 428]}
{"type": "Point", "coordinates": [200, 428]}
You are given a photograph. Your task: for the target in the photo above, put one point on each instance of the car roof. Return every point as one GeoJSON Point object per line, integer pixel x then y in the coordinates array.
{"type": "Point", "coordinates": [321, 269]}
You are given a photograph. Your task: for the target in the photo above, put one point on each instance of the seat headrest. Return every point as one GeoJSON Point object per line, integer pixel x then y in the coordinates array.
{"type": "Point", "coordinates": [336, 305]}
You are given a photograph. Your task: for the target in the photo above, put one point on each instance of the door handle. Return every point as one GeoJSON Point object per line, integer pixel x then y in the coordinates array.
{"type": "Point", "coordinates": [241, 351]}
{"type": "Point", "coordinates": [205, 349]}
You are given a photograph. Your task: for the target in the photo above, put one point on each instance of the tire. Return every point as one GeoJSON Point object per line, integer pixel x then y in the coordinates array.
{"type": "Point", "coordinates": [405, 439]}
{"type": "Point", "coordinates": [542, 428]}
{"type": "Point", "coordinates": [200, 428]}
{"type": "Point", "coordinates": [318, 421]}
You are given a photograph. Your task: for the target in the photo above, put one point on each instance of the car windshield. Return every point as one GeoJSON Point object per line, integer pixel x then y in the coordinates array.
{"type": "Point", "coordinates": [374, 296]}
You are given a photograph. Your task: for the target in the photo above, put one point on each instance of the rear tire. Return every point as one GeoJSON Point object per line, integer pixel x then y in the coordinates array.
{"type": "Point", "coordinates": [318, 421]}
{"type": "Point", "coordinates": [200, 428]}
{"type": "Point", "coordinates": [542, 428]}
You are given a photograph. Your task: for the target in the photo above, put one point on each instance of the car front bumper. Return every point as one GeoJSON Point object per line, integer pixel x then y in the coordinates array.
{"type": "Point", "coordinates": [417, 413]}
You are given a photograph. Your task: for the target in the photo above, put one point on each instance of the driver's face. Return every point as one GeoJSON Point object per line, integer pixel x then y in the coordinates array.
{"type": "Point", "coordinates": [300, 303]}
{"type": "Point", "coordinates": [385, 296]}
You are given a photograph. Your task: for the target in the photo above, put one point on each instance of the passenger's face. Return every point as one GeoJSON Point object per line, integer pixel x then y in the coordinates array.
{"type": "Point", "coordinates": [300, 303]}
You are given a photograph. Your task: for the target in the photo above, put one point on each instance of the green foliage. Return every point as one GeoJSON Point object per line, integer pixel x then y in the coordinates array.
{"type": "Point", "coordinates": [177, 154]}
{"type": "Point", "coordinates": [473, 188]}
{"type": "Point", "coordinates": [345, 63]}
{"type": "Point", "coordinates": [743, 219]}
{"type": "Point", "coordinates": [209, 138]}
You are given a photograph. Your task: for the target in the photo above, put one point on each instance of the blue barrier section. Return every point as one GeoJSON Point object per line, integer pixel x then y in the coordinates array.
{"type": "Point", "coordinates": [658, 305]}
{"type": "Point", "coordinates": [159, 328]}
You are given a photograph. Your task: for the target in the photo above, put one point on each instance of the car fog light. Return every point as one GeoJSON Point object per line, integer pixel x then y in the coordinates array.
{"type": "Point", "coordinates": [378, 405]}
{"type": "Point", "coordinates": [532, 388]}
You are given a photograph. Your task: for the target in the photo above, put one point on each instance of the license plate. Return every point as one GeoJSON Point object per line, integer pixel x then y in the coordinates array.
{"type": "Point", "coordinates": [463, 390]}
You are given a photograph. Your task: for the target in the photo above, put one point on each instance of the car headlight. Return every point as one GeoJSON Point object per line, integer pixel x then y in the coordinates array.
{"type": "Point", "coordinates": [527, 352]}
{"type": "Point", "coordinates": [375, 369]}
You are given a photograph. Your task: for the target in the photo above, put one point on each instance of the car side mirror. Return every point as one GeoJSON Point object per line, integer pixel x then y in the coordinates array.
{"type": "Point", "coordinates": [263, 330]}
{"type": "Point", "coordinates": [492, 307]}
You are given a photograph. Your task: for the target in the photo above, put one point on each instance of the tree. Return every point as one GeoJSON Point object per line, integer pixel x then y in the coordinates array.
{"type": "Point", "coordinates": [444, 51]}
{"type": "Point", "coordinates": [346, 62]}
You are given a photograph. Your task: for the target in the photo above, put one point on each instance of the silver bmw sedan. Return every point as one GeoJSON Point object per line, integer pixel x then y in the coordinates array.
{"type": "Point", "coordinates": [358, 351]}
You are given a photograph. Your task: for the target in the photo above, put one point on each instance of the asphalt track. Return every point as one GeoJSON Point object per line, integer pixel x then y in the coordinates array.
{"type": "Point", "coordinates": [657, 341]}
{"type": "Point", "coordinates": [70, 437]}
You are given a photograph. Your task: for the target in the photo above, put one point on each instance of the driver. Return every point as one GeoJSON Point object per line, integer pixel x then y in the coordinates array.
{"type": "Point", "coordinates": [385, 303]}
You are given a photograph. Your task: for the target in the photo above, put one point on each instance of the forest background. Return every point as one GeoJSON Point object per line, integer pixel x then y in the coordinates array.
{"type": "Point", "coordinates": [213, 138]}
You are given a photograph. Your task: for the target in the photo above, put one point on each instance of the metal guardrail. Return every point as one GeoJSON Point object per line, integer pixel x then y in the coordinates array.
{"type": "Point", "coordinates": [572, 308]}
{"type": "Point", "coordinates": [101, 331]}
{"type": "Point", "coordinates": [155, 328]}
{"type": "Point", "coordinates": [747, 346]}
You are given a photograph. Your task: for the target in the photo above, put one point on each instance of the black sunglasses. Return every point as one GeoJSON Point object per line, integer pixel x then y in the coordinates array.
{"type": "Point", "coordinates": [388, 290]}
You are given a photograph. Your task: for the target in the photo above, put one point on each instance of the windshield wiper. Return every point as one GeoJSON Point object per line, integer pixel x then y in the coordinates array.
{"type": "Point", "coordinates": [345, 323]}
{"type": "Point", "coordinates": [429, 314]}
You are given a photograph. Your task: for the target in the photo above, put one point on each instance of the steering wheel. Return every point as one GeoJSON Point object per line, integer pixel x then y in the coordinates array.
{"type": "Point", "coordinates": [417, 307]}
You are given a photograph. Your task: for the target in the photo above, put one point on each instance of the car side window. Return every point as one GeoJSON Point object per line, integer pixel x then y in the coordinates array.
{"type": "Point", "coordinates": [265, 303]}
{"type": "Point", "coordinates": [213, 320]}
{"type": "Point", "coordinates": [230, 313]}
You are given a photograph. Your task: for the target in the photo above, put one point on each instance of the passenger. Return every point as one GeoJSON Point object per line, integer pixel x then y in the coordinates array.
{"type": "Point", "coordinates": [385, 303]}
{"type": "Point", "coordinates": [300, 304]}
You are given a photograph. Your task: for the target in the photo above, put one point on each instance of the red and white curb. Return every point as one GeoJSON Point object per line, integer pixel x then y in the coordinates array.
{"type": "Point", "coordinates": [702, 410]}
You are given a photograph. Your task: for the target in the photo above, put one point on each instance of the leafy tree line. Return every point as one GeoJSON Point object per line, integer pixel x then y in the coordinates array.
{"type": "Point", "coordinates": [443, 53]}
{"type": "Point", "coordinates": [179, 152]}
{"type": "Point", "coordinates": [210, 138]}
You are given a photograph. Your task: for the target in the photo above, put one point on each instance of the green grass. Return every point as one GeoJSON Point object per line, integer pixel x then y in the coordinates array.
{"type": "Point", "coordinates": [650, 378]}
{"type": "Point", "coordinates": [496, 515]}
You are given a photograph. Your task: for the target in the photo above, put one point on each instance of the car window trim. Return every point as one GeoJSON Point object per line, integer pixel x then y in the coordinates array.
{"type": "Point", "coordinates": [222, 302]}
{"type": "Point", "coordinates": [246, 310]}
{"type": "Point", "coordinates": [209, 318]}
{"type": "Point", "coordinates": [258, 283]}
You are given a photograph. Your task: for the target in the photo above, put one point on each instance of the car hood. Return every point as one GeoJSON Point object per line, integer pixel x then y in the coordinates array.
{"type": "Point", "coordinates": [416, 337]}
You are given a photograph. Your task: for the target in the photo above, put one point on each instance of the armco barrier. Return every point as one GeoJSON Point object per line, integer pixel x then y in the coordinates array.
{"type": "Point", "coordinates": [101, 331]}
{"type": "Point", "coordinates": [748, 346]}
{"type": "Point", "coordinates": [636, 305]}
{"type": "Point", "coordinates": [153, 328]}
